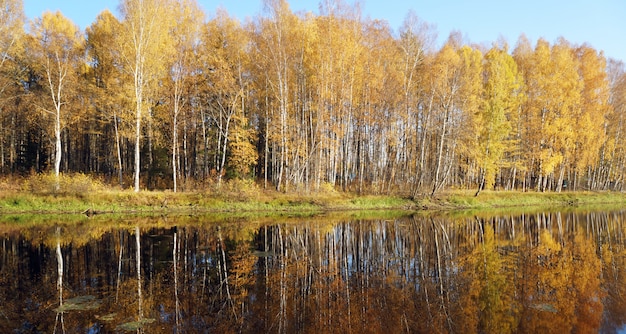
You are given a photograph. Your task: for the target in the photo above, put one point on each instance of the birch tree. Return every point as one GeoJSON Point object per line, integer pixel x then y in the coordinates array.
{"type": "Point", "coordinates": [591, 118]}
{"type": "Point", "coordinates": [11, 49]}
{"type": "Point", "coordinates": [502, 98]}
{"type": "Point", "coordinates": [225, 61]}
{"type": "Point", "coordinates": [58, 48]}
{"type": "Point", "coordinates": [274, 45]}
{"type": "Point", "coordinates": [186, 36]}
{"type": "Point", "coordinates": [107, 76]}
{"type": "Point", "coordinates": [446, 87]}
{"type": "Point", "coordinates": [614, 148]}
{"type": "Point", "coordinates": [145, 47]}
{"type": "Point", "coordinates": [415, 42]}
{"type": "Point", "coordinates": [11, 31]}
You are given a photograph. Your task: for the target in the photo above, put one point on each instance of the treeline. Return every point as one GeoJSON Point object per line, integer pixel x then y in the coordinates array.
{"type": "Point", "coordinates": [164, 98]}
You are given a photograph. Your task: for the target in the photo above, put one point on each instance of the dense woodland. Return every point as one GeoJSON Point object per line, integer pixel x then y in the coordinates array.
{"type": "Point", "coordinates": [164, 96]}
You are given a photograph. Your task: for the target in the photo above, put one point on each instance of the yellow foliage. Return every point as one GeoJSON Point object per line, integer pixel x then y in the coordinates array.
{"type": "Point", "coordinates": [74, 184]}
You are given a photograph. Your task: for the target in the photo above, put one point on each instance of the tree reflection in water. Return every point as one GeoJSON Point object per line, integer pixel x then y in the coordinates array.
{"type": "Point", "coordinates": [544, 272]}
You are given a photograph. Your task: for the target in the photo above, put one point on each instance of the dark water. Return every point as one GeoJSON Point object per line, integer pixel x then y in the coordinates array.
{"type": "Point", "coordinates": [532, 273]}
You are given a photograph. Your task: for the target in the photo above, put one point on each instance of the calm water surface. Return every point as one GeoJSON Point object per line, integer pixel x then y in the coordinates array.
{"type": "Point", "coordinates": [533, 273]}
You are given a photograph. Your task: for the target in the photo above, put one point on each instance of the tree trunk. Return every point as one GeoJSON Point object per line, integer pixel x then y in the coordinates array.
{"type": "Point", "coordinates": [175, 142]}
{"type": "Point", "coordinates": [559, 185]}
{"type": "Point", "coordinates": [422, 159]}
{"type": "Point", "coordinates": [440, 152]}
{"type": "Point", "coordinates": [137, 143]}
{"type": "Point", "coordinates": [481, 182]}
{"type": "Point", "coordinates": [58, 149]}
{"type": "Point", "coordinates": [119, 150]}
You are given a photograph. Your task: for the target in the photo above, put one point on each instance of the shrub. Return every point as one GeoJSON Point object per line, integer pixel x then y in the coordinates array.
{"type": "Point", "coordinates": [10, 184]}
{"type": "Point", "coordinates": [70, 184]}
{"type": "Point", "coordinates": [241, 188]}
{"type": "Point", "coordinates": [327, 188]}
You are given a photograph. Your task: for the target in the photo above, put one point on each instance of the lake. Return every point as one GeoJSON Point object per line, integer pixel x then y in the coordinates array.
{"type": "Point", "coordinates": [541, 272]}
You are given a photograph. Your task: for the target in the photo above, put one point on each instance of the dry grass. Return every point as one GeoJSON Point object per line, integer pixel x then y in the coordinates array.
{"type": "Point", "coordinates": [79, 193]}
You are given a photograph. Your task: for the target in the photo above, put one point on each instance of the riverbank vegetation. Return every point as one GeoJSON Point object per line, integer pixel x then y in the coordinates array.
{"type": "Point", "coordinates": [305, 108]}
{"type": "Point", "coordinates": [81, 194]}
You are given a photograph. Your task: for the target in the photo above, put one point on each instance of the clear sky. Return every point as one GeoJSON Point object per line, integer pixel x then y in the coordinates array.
{"type": "Point", "coordinates": [600, 23]}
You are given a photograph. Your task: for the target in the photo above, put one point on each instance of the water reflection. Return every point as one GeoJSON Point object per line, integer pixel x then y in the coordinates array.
{"type": "Point", "coordinates": [538, 273]}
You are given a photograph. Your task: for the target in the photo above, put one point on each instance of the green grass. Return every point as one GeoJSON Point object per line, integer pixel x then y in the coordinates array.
{"type": "Point", "coordinates": [233, 201]}
{"type": "Point", "coordinates": [501, 199]}
{"type": "Point", "coordinates": [164, 201]}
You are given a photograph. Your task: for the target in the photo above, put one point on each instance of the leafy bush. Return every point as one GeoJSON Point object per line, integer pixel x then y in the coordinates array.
{"type": "Point", "coordinates": [70, 184]}
{"type": "Point", "coordinates": [10, 184]}
{"type": "Point", "coordinates": [241, 188]}
{"type": "Point", "coordinates": [327, 188]}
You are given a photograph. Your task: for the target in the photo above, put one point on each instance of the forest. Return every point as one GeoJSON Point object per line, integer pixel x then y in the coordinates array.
{"type": "Point", "coordinates": [167, 97]}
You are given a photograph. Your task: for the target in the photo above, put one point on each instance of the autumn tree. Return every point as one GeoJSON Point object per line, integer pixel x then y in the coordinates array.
{"type": "Point", "coordinates": [145, 46]}
{"type": "Point", "coordinates": [524, 134]}
{"type": "Point", "coordinates": [501, 100]}
{"type": "Point", "coordinates": [416, 39]}
{"type": "Point", "coordinates": [57, 49]}
{"type": "Point", "coordinates": [11, 49]}
{"type": "Point", "coordinates": [591, 117]}
{"type": "Point", "coordinates": [614, 149]}
{"type": "Point", "coordinates": [553, 100]}
{"type": "Point", "coordinates": [565, 106]}
{"type": "Point", "coordinates": [445, 87]}
{"type": "Point", "coordinates": [465, 121]}
{"type": "Point", "coordinates": [275, 45]}
{"type": "Point", "coordinates": [11, 31]}
{"type": "Point", "coordinates": [107, 77]}
{"type": "Point", "coordinates": [456, 96]}
{"type": "Point", "coordinates": [243, 154]}
{"type": "Point", "coordinates": [342, 60]}
{"type": "Point", "coordinates": [226, 59]}
{"type": "Point", "coordinates": [383, 138]}
{"type": "Point", "coordinates": [186, 35]}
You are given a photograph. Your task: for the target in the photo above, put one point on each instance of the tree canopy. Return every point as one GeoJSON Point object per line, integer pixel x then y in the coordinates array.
{"type": "Point", "coordinates": [303, 102]}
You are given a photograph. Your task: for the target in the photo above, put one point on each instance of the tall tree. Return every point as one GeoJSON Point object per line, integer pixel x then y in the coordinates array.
{"type": "Point", "coordinates": [565, 106]}
{"type": "Point", "coordinates": [456, 91]}
{"type": "Point", "coordinates": [591, 117]}
{"type": "Point", "coordinates": [145, 46]}
{"type": "Point", "coordinates": [107, 76]}
{"type": "Point", "coordinates": [501, 99]}
{"type": "Point", "coordinates": [226, 61]}
{"type": "Point", "coordinates": [58, 46]}
{"type": "Point", "coordinates": [11, 30]}
{"type": "Point", "coordinates": [275, 44]}
{"type": "Point", "coordinates": [614, 149]}
{"type": "Point", "coordinates": [553, 90]}
{"type": "Point", "coordinates": [11, 37]}
{"type": "Point", "coordinates": [446, 87]}
{"type": "Point", "coordinates": [524, 134]}
{"type": "Point", "coordinates": [416, 39]}
{"type": "Point", "coordinates": [186, 35]}
{"type": "Point", "coordinates": [383, 125]}
{"type": "Point", "coordinates": [342, 56]}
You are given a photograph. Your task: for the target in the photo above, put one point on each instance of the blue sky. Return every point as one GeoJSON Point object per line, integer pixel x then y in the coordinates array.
{"type": "Point", "coordinates": [600, 23]}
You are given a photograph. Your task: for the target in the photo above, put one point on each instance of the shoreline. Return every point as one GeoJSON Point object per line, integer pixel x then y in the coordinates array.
{"type": "Point", "coordinates": [127, 202]}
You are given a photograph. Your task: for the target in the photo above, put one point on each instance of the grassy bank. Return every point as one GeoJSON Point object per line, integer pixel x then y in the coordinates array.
{"type": "Point", "coordinates": [505, 199]}
{"type": "Point", "coordinates": [159, 201]}
{"type": "Point", "coordinates": [109, 201]}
